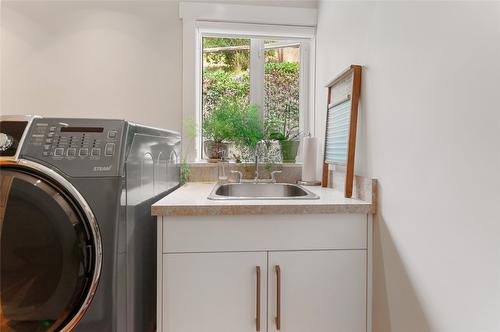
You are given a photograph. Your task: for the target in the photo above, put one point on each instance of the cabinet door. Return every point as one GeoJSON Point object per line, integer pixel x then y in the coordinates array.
{"type": "Point", "coordinates": [319, 291]}
{"type": "Point", "coordinates": [214, 292]}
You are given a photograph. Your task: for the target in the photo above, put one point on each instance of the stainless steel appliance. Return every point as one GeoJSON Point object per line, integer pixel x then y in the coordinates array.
{"type": "Point", "coordinates": [77, 241]}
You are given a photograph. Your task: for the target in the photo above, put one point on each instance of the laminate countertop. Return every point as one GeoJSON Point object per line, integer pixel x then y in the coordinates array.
{"type": "Point", "coordinates": [191, 200]}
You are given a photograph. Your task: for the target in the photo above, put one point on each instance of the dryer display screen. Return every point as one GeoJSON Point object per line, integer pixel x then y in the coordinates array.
{"type": "Point", "coordinates": [82, 129]}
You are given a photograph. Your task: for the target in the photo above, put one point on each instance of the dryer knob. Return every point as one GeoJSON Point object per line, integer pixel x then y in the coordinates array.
{"type": "Point", "coordinates": [5, 142]}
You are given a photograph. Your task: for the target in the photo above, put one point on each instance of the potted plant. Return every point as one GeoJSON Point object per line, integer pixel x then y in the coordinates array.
{"type": "Point", "coordinates": [288, 138]}
{"type": "Point", "coordinates": [220, 128]}
{"type": "Point", "coordinates": [249, 131]}
{"type": "Point", "coordinates": [289, 145]}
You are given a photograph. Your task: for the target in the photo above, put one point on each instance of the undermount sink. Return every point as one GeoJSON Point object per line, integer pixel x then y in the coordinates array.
{"type": "Point", "coordinates": [250, 190]}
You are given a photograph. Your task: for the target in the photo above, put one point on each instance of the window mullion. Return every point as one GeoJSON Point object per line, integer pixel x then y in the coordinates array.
{"type": "Point", "coordinates": [304, 89]}
{"type": "Point", "coordinates": [257, 74]}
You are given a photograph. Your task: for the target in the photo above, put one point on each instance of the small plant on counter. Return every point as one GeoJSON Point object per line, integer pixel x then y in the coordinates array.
{"type": "Point", "coordinates": [185, 170]}
{"type": "Point", "coordinates": [185, 173]}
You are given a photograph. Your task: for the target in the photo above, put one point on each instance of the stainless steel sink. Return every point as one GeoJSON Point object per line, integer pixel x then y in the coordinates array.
{"type": "Point", "coordinates": [249, 190]}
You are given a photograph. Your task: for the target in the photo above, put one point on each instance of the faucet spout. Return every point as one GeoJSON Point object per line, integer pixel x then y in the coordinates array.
{"type": "Point", "coordinates": [257, 149]}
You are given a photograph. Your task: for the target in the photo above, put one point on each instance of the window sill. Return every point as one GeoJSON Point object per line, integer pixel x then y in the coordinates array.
{"type": "Point", "coordinates": [205, 163]}
{"type": "Point", "coordinates": [203, 171]}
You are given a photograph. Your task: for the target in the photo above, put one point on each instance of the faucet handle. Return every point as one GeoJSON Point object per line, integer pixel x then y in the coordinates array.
{"type": "Point", "coordinates": [273, 175]}
{"type": "Point", "coordinates": [239, 175]}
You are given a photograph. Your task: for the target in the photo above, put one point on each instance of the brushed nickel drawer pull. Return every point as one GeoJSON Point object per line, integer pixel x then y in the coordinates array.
{"type": "Point", "coordinates": [257, 302]}
{"type": "Point", "coordinates": [278, 297]}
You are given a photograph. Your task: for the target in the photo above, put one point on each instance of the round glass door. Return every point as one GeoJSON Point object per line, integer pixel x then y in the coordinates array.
{"type": "Point", "coordinates": [47, 253]}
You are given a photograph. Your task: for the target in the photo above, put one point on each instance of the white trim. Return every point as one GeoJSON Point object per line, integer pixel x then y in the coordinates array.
{"type": "Point", "coordinates": [254, 21]}
{"type": "Point", "coordinates": [190, 70]}
{"type": "Point", "coordinates": [257, 74]}
{"type": "Point", "coordinates": [248, 30]}
{"type": "Point", "coordinates": [312, 88]}
{"type": "Point", "coordinates": [281, 45]}
{"type": "Point", "coordinates": [159, 274]}
{"type": "Point", "coordinates": [369, 274]}
{"type": "Point", "coordinates": [198, 100]}
{"type": "Point", "coordinates": [304, 89]}
{"type": "Point", "coordinates": [248, 14]}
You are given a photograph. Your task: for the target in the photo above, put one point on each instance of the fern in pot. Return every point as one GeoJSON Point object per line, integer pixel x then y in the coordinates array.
{"type": "Point", "coordinates": [220, 128]}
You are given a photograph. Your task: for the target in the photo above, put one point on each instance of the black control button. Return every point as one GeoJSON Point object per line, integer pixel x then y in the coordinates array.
{"type": "Point", "coordinates": [96, 152]}
{"type": "Point", "coordinates": [109, 150]}
{"type": "Point", "coordinates": [112, 134]}
{"type": "Point", "coordinates": [83, 152]}
{"type": "Point", "coordinates": [71, 152]}
{"type": "Point", "coordinates": [58, 152]}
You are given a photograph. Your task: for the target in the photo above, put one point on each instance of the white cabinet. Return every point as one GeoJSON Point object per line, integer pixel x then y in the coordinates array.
{"type": "Point", "coordinates": [223, 292]}
{"type": "Point", "coordinates": [220, 281]}
{"type": "Point", "coordinates": [319, 291]}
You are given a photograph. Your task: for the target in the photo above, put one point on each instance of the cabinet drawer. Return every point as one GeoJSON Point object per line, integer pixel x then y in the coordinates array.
{"type": "Point", "coordinates": [264, 232]}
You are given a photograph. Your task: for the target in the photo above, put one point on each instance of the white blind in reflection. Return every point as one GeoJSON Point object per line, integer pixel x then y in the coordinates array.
{"type": "Point", "coordinates": [339, 117]}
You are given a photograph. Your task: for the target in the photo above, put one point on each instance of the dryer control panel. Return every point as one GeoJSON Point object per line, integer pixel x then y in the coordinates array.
{"type": "Point", "coordinates": [77, 147]}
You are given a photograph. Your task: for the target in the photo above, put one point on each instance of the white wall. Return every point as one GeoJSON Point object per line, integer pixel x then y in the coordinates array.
{"type": "Point", "coordinates": [115, 59]}
{"type": "Point", "coordinates": [430, 132]}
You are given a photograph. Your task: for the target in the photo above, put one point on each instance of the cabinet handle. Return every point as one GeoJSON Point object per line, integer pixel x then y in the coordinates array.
{"type": "Point", "coordinates": [257, 300]}
{"type": "Point", "coordinates": [278, 297]}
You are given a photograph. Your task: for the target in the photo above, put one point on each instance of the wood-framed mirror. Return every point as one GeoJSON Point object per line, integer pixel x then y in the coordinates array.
{"type": "Point", "coordinates": [341, 124]}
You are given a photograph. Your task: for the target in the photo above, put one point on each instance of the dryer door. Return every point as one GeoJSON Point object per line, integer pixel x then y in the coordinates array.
{"type": "Point", "coordinates": [49, 253]}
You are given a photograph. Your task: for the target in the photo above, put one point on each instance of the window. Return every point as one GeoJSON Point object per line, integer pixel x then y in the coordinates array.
{"type": "Point", "coordinates": [257, 65]}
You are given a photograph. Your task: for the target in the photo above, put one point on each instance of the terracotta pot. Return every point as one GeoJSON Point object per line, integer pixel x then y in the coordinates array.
{"type": "Point", "coordinates": [215, 150]}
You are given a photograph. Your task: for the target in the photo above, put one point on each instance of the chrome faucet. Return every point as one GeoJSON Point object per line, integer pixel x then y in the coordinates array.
{"type": "Point", "coordinates": [273, 176]}
{"type": "Point", "coordinates": [256, 178]}
{"type": "Point", "coordinates": [239, 176]}
{"type": "Point", "coordinates": [257, 150]}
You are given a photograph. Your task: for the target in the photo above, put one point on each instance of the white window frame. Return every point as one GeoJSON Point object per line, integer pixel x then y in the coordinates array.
{"type": "Point", "coordinates": [202, 19]}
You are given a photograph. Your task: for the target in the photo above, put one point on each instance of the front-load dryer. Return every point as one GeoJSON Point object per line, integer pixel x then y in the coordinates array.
{"type": "Point", "coordinates": [77, 242]}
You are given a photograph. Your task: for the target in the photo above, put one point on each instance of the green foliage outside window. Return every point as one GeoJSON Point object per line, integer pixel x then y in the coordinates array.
{"type": "Point", "coordinates": [281, 93]}
{"type": "Point", "coordinates": [282, 99]}
{"type": "Point", "coordinates": [219, 85]}
{"type": "Point", "coordinates": [226, 84]}
{"type": "Point", "coordinates": [235, 61]}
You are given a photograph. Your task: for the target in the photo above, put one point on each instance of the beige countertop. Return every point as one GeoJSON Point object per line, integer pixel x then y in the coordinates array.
{"type": "Point", "coordinates": [191, 200]}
